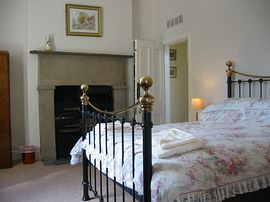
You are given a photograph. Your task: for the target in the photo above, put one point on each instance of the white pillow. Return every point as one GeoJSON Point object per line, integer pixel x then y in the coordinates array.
{"type": "Point", "coordinates": [227, 116]}
{"type": "Point", "coordinates": [231, 104]}
{"type": "Point", "coordinates": [261, 104]}
{"type": "Point", "coordinates": [257, 113]}
{"type": "Point", "coordinates": [258, 110]}
{"type": "Point", "coordinates": [228, 110]}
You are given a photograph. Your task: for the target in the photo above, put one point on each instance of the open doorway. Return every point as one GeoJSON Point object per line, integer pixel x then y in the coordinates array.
{"type": "Point", "coordinates": [177, 81]}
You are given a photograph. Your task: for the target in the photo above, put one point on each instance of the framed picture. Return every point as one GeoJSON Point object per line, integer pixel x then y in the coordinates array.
{"type": "Point", "coordinates": [173, 72]}
{"type": "Point", "coordinates": [83, 20]}
{"type": "Point", "coordinates": [172, 54]}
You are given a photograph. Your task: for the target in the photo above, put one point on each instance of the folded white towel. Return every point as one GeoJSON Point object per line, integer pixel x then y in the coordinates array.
{"type": "Point", "coordinates": [174, 137]}
{"type": "Point", "coordinates": [164, 153]}
{"type": "Point", "coordinates": [174, 142]}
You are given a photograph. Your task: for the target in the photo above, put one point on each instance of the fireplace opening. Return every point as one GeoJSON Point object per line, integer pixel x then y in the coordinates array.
{"type": "Point", "coordinates": [68, 113]}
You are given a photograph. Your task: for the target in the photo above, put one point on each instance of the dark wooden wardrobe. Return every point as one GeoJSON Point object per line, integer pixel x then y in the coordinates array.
{"type": "Point", "coordinates": [5, 134]}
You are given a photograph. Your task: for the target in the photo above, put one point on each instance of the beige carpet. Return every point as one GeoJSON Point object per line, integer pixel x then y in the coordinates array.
{"type": "Point", "coordinates": [39, 183]}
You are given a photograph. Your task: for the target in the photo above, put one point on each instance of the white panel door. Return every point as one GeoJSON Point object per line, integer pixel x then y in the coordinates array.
{"type": "Point", "coordinates": [149, 61]}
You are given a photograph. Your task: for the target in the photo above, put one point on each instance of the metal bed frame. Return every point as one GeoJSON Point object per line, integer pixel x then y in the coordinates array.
{"type": "Point", "coordinates": [90, 119]}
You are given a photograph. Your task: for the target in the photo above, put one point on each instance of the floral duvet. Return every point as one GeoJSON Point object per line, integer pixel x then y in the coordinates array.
{"type": "Point", "coordinates": [234, 159]}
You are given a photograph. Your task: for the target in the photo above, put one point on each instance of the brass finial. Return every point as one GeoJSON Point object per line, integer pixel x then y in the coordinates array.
{"type": "Point", "coordinates": [147, 100]}
{"type": "Point", "coordinates": [229, 64]}
{"type": "Point", "coordinates": [84, 97]}
{"type": "Point", "coordinates": [146, 82]}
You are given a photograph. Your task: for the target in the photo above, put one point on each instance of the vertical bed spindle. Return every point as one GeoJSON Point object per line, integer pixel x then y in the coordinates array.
{"type": "Point", "coordinates": [239, 87]}
{"type": "Point", "coordinates": [229, 79]}
{"type": "Point", "coordinates": [106, 150]}
{"type": "Point", "coordinates": [249, 87]}
{"type": "Point", "coordinates": [84, 102]}
{"type": "Point", "coordinates": [122, 137]}
{"type": "Point", "coordinates": [90, 172]}
{"type": "Point", "coordinates": [260, 81]}
{"type": "Point", "coordinates": [95, 164]}
{"type": "Point", "coordinates": [114, 178]}
{"type": "Point", "coordinates": [133, 158]}
{"type": "Point", "coordinates": [100, 162]}
{"type": "Point", "coordinates": [90, 164]}
{"type": "Point", "coordinates": [146, 103]}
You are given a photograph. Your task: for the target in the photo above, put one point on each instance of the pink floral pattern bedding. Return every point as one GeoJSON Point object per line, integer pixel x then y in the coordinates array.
{"type": "Point", "coordinates": [235, 159]}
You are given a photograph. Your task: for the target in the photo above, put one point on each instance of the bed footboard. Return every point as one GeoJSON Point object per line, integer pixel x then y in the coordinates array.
{"type": "Point", "coordinates": [145, 102]}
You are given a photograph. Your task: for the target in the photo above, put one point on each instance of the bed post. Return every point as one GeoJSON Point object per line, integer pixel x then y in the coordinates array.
{"type": "Point", "coordinates": [85, 182]}
{"type": "Point", "coordinates": [229, 79]}
{"type": "Point", "coordinates": [146, 102]}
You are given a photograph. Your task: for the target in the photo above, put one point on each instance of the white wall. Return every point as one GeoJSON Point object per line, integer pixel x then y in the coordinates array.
{"type": "Point", "coordinates": [13, 39]}
{"type": "Point", "coordinates": [48, 18]}
{"type": "Point", "coordinates": [219, 30]}
{"type": "Point", "coordinates": [24, 26]}
{"type": "Point", "coordinates": [142, 19]}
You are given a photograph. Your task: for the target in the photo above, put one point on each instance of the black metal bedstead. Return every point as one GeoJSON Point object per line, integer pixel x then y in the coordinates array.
{"type": "Point", "coordinates": [91, 119]}
{"type": "Point", "coordinates": [237, 81]}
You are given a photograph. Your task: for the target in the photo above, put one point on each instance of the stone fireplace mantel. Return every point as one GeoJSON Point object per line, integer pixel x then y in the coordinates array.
{"type": "Point", "coordinates": [79, 53]}
{"type": "Point", "coordinates": [56, 68]}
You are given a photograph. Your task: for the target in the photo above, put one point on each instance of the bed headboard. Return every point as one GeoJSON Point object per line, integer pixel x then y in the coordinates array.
{"type": "Point", "coordinates": [246, 85]}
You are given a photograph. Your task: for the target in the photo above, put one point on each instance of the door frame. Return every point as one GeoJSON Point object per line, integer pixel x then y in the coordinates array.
{"type": "Point", "coordinates": [167, 43]}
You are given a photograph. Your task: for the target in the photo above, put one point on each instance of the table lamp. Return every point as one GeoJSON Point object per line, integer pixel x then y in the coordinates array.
{"type": "Point", "coordinates": [196, 105]}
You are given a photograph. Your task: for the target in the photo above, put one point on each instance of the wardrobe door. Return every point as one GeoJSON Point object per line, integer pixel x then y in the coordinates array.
{"type": "Point", "coordinates": [5, 135]}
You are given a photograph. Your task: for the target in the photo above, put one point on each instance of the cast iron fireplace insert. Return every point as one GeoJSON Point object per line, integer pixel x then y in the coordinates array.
{"type": "Point", "coordinates": [68, 113]}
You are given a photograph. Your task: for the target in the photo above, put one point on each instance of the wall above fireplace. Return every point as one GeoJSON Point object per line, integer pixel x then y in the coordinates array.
{"type": "Point", "coordinates": [56, 68]}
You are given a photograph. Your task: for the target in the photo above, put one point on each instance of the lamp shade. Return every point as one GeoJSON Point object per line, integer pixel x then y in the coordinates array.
{"type": "Point", "coordinates": [197, 104]}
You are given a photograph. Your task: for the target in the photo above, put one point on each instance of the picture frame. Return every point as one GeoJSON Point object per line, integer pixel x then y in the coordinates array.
{"type": "Point", "coordinates": [173, 72]}
{"type": "Point", "coordinates": [82, 20]}
{"type": "Point", "coordinates": [172, 54]}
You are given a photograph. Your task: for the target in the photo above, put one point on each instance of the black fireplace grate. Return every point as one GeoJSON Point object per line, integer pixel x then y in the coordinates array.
{"type": "Point", "coordinates": [68, 117]}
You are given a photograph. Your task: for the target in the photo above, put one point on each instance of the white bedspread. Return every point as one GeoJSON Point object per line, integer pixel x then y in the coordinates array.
{"type": "Point", "coordinates": [233, 159]}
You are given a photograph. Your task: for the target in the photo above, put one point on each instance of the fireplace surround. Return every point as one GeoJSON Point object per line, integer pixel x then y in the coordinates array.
{"type": "Point", "coordinates": [56, 68]}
